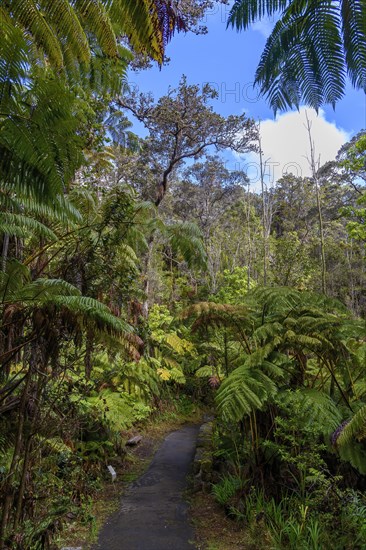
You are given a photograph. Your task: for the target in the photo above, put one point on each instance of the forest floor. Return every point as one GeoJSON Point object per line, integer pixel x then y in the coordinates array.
{"type": "Point", "coordinates": [214, 530]}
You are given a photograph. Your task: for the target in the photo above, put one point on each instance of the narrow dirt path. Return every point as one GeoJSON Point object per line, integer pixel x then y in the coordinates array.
{"type": "Point", "coordinates": [153, 513]}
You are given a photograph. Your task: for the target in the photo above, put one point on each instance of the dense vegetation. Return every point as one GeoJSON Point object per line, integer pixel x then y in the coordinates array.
{"type": "Point", "coordinates": [137, 272]}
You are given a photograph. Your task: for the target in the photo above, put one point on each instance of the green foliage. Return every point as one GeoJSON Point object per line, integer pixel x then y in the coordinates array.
{"type": "Point", "coordinates": [355, 429]}
{"type": "Point", "coordinates": [90, 28]}
{"type": "Point", "coordinates": [186, 239]}
{"type": "Point", "coordinates": [311, 50]}
{"type": "Point", "coordinates": [245, 390]}
{"type": "Point", "coordinates": [94, 277]}
{"type": "Point", "coordinates": [226, 489]}
{"type": "Point", "coordinates": [119, 409]}
{"type": "Point", "coordinates": [170, 349]}
{"type": "Point", "coordinates": [283, 399]}
{"type": "Point", "coordinates": [355, 163]}
{"type": "Point", "coordinates": [234, 286]}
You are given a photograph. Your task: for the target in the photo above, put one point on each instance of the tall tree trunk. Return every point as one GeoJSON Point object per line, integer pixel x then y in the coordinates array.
{"type": "Point", "coordinates": [314, 167]}
{"type": "Point", "coordinates": [264, 211]}
{"type": "Point", "coordinates": [249, 262]}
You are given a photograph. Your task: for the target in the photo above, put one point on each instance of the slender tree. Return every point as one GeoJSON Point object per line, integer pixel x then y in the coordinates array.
{"type": "Point", "coordinates": [314, 167]}
{"type": "Point", "coordinates": [314, 46]}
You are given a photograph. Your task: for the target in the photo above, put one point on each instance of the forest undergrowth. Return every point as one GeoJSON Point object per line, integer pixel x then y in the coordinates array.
{"type": "Point", "coordinates": [140, 277]}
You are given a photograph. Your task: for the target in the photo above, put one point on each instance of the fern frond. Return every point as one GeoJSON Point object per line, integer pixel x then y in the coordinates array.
{"type": "Point", "coordinates": [19, 225]}
{"type": "Point", "coordinates": [322, 409]}
{"type": "Point", "coordinates": [355, 429]}
{"type": "Point", "coordinates": [186, 238]}
{"type": "Point", "coordinates": [244, 391]}
{"type": "Point", "coordinates": [177, 344]}
{"type": "Point", "coordinates": [243, 13]}
{"type": "Point", "coordinates": [44, 290]}
{"type": "Point", "coordinates": [205, 371]}
{"type": "Point", "coordinates": [311, 50]}
{"type": "Point", "coordinates": [216, 315]}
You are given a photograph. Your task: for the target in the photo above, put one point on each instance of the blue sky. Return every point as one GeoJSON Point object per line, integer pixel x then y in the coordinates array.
{"type": "Point", "coordinates": [228, 59]}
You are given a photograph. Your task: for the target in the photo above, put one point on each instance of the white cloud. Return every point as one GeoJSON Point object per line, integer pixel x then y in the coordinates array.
{"type": "Point", "coordinates": [285, 144]}
{"type": "Point", "coordinates": [264, 26]}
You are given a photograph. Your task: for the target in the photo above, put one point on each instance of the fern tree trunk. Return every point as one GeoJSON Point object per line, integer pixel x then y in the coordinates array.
{"type": "Point", "coordinates": [89, 347]}
{"type": "Point", "coordinates": [32, 429]}
{"type": "Point", "coordinates": [9, 489]}
{"type": "Point", "coordinates": [4, 256]}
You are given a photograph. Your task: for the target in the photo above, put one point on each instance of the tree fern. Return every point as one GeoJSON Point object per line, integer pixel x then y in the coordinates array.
{"type": "Point", "coordinates": [129, 375]}
{"type": "Point", "coordinates": [244, 391]}
{"type": "Point", "coordinates": [126, 343]}
{"type": "Point", "coordinates": [216, 315]}
{"type": "Point", "coordinates": [39, 153]}
{"type": "Point", "coordinates": [91, 312]}
{"type": "Point", "coordinates": [16, 288]}
{"type": "Point", "coordinates": [186, 238]}
{"type": "Point", "coordinates": [177, 344]}
{"type": "Point", "coordinates": [205, 371]}
{"type": "Point", "coordinates": [311, 49]}
{"type": "Point", "coordinates": [116, 408]}
{"type": "Point", "coordinates": [66, 32]}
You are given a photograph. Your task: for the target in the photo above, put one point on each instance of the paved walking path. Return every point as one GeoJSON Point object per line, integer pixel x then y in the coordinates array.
{"type": "Point", "coordinates": [153, 513]}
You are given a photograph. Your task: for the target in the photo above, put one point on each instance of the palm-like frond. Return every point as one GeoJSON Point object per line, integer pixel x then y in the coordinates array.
{"type": "Point", "coordinates": [141, 374]}
{"type": "Point", "coordinates": [116, 408]}
{"type": "Point", "coordinates": [91, 312]}
{"type": "Point", "coordinates": [47, 22]}
{"type": "Point", "coordinates": [242, 14]}
{"type": "Point", "coordinates": [67, 31]}
{"type": "Point", "coordinates": [321, 409]}
{"type": "Point", "coordinates": [303, 39]}
{"type": "Point", "coordinates": [244, 391]}
{"type": "Point", "coordinates": [39, 148]}
{"type": "Point", "coordinates": [127, 344]}
{"type": "Point", "coordinates": [127, 257]}
{"type": "Point", "coordinates": [216, 315]}
{"type": "Point", "coordinates": [43, 290]}
{"type": "Point", "coordinates": [311, 49]}
{"type": "Point", "coordinates": [186, 238]}
{"type": "Point", "coordinates": [16, 288]}
{"type": "Point", "coordinates": [354, 41]}
{"type": "Point", "coordinates": [23, 226]}
{"type": "Point", "coordinates": [355, 429]}
{"type": "Point", "coordinates": [177, 344]}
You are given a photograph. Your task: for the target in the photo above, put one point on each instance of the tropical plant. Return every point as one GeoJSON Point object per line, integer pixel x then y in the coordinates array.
{"type": "Point", "coordinates": [286, 342]}
{"type": "Point", "coordinates": [314, 46]}
{"type": "Point", "coordinates": [70, 33]}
